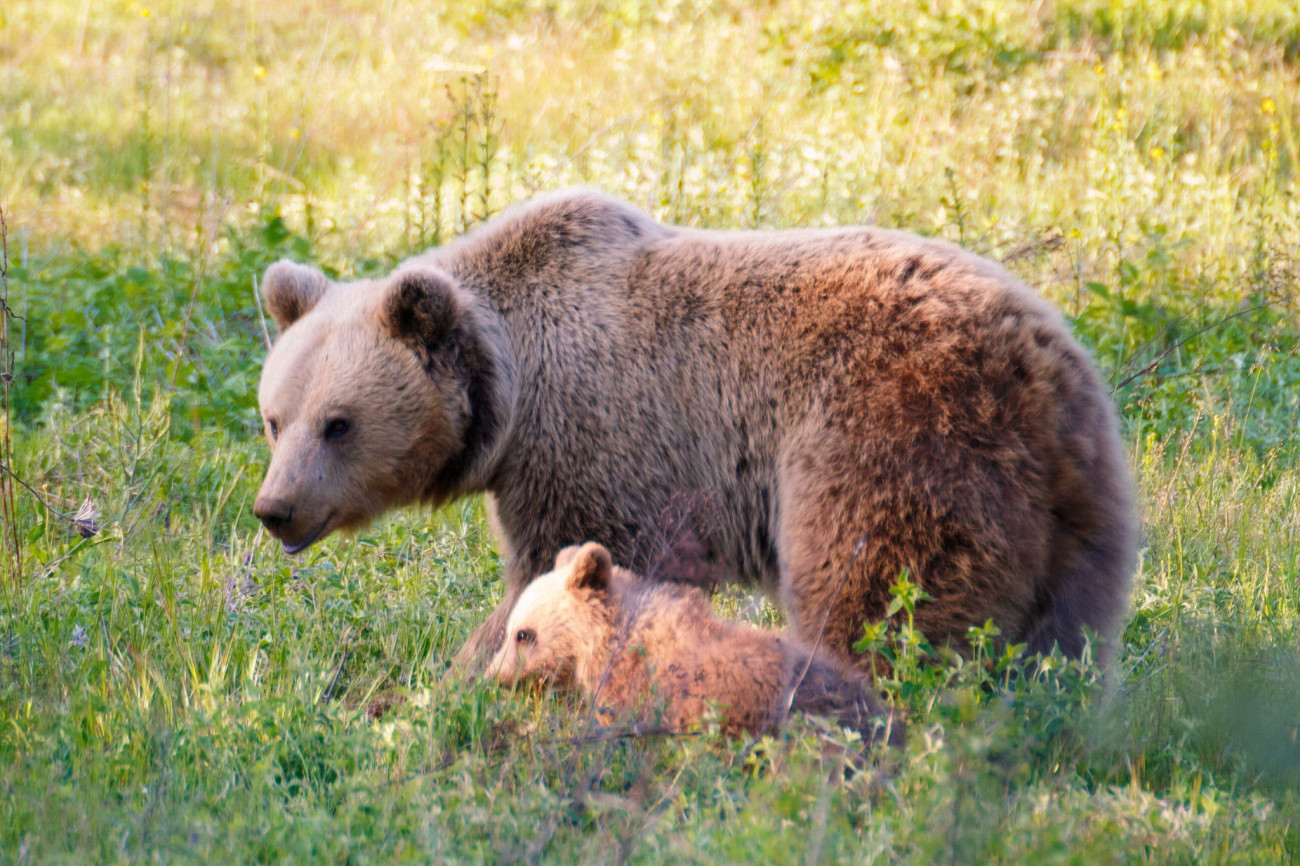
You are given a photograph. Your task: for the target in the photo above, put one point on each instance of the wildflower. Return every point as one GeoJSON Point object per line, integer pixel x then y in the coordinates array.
{"type": "Point", "coordinates": [84, 521]}
{"type": "Point", "coordinates": [79, 638]}
{"type": "Point", "coordinates": [1268, 106]}
{"type": "Point", "coordinates": [146, 12]}
{"type": "Point", "coordinates": [1157, 153]}
{"type": "Point", "coordinates": [259, 72]}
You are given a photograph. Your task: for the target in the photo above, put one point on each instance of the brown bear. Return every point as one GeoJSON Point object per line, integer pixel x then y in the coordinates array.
{"type": "Point", "coordinates": [852, 401]}
{"type": "Point", "coordinates": [643, 649]}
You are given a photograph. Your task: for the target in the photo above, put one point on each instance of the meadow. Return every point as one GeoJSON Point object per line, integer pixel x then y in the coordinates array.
{"type": "Point", "coordinates": [174, 688]}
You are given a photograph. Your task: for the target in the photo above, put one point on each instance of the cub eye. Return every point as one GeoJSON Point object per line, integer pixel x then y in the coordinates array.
{"type": "Point", "coordinates": [336, 428]}
{"type": "Point", "coordinates": [274, 428]}
{"type": "Point", "coordinates": [525, 636]}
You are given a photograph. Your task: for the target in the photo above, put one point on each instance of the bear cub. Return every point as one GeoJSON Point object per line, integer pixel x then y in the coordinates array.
{"type": "Point", "coordinates": [654, 651]}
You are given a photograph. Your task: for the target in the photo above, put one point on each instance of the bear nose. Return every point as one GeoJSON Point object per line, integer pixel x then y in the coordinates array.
{"type": "Point", "coordinates": [275, 514]}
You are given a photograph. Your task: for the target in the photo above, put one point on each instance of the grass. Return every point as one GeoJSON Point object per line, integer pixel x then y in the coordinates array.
{"type": "Point", "coordinates": [174, 688]}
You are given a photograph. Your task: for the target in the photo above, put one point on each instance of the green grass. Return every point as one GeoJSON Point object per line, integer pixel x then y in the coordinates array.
{"type": "Point", "coordinates": [174, 688]}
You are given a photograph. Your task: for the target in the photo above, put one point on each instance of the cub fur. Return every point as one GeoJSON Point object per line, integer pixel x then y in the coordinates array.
{"type": "Point", "coordinates": [639, 648]}
{"type": "Point", "coordinates": [850, 402]}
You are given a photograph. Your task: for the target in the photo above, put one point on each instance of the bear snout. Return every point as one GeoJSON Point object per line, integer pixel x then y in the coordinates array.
{"type": "Point", "coordinates": [276, 514]}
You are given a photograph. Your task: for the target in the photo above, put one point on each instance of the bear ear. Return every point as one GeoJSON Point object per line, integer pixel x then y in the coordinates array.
{"type": "Point", "coordinates": [421, 308]}
{"type": "Point", "coordinates": [292, 290]}
{"type": "Point", "coordinates": [566, 555]}
{"type": "Point", "coordinates": [591, 568]}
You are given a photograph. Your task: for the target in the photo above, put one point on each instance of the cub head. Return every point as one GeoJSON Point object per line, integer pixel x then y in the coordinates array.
{"type": "Point", "coordinates": [375, 394]}
{"type": "Point", "coordinates": [561, 624]}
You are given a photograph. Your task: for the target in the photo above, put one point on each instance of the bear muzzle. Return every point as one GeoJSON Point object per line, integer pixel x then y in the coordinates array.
{"type": "Point", "coordinates": [277, 515]}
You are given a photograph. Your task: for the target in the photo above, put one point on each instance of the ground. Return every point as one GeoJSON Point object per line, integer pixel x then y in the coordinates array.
{"type": "Point", "coordinates": [173, 687]}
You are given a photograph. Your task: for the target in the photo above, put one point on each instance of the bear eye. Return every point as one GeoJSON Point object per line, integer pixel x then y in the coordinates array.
{"type": "Point", "coordinates": [273, 427]}
{"type": "Point", "coordinates": [525, 636]}
{"type": "Point", "coordinates": [336, 428]}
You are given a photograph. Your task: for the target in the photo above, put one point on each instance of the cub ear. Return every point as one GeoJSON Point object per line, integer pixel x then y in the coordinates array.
{"type": "Point", "coordinates": [421, 309]}
{"type": "Point", "coordinates": [566, 555]}
{"type": "Point", "coordinates": [591, 568]}
{"type": "Point", "coordinates": [292, 290]}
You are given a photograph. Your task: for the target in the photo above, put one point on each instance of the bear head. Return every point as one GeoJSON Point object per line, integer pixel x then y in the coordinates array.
{"type": "Point", "coordinates": [561, 625]}
{"type": "Point", "coordinates": [376, 394]}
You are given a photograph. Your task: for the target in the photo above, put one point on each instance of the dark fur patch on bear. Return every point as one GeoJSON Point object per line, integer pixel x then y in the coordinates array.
{"type": "Point", "coordinates": [423, 312]}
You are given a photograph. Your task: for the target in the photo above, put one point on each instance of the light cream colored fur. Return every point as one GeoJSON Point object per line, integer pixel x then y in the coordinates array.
{"type": "Point", "coordinates": [647, 651]}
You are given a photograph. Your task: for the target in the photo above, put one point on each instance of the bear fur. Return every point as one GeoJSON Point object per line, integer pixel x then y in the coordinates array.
{"type": "Point", "coordinates": [641, 649]}
{"type": "Point", "coordinates": [852, 402]}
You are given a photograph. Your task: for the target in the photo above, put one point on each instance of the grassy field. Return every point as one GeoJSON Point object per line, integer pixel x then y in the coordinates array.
{"type": "Point", "coordinates": [174, 688]}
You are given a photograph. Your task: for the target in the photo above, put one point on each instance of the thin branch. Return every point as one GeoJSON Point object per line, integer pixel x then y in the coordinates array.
{"type": "Point", "coordinates": [1043, 244]}
{"type": "Point", "coordinates": [32, 490]}
{"type": "Point", "coordinates": [261, 317]}
{"type": "Point", "coordinates": [1131, 359]}
{"type": "Point", "coordinates": [4, 303]}
{"type": "Point", "coordinates": [1149, 368]}
{"type": "Point", "coordinates": [839, 589]}
{"type": "Point", "coordinates": [602, 132]}
{"type": "Point", "coordinates": [636, 732]}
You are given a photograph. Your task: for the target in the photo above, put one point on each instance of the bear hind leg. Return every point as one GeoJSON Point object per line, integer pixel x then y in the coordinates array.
{"type": "Point", "coordinates": [1090, 591]}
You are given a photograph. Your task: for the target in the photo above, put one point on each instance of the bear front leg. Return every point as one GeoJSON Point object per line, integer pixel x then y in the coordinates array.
{"type": "Point", "coordinates": [473, 657]}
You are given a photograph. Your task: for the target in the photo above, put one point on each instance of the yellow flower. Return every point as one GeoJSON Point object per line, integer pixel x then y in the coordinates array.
{"type": "Point", "coordinates": [1268, 106]}
{"type": "Point", "coordinates": [1157, 152]}
{"type": "Point", "coordinates": [294, 132]}
{"type": "Point", "coordinates": [146, 12]}
{"type": "Point", "coordinates": [1099, 69]}
{"type": "Point", "coordinates": [259, 72]}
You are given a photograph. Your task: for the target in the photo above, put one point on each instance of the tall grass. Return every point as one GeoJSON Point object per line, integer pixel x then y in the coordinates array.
{"type": "Point", "coordinates": [173, 687]}
{"type": "Point", "coordinates": [8, 509]}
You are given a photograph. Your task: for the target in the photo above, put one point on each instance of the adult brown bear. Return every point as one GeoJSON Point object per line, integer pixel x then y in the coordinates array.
{"type": "Point", "coordinates": [852, 402]}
